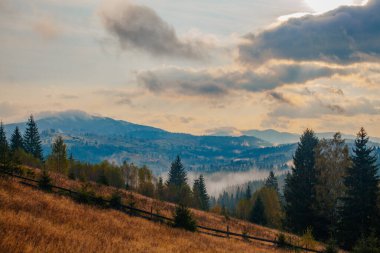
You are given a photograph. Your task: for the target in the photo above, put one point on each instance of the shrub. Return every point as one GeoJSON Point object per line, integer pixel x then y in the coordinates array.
{"type": "Point", "coordinates": [45, 181]}
{"type": "Point", "coordinates": [86, 195]}
{"type": "Point", "coordinates": [281, 241]}
{"type": "Point", "coordinates": [307, 240]}
{"type": "Point", "coordinates": [184, 219]}
{"type": "Point", "coordinates": [115, 200]}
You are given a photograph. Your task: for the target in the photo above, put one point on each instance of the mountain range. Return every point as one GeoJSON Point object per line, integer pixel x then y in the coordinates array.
{"type": "Point", "coordinates": [93, 138]}
{"type": "Point", "coordinates": [276, 137]}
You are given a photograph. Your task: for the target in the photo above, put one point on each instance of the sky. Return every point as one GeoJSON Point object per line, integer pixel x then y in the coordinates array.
{"type": "Point", "coordinates": [199, 66]}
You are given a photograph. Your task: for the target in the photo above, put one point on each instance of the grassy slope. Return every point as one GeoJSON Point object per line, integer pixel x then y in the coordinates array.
{"type": "Point", "coordinates": [34, 221]}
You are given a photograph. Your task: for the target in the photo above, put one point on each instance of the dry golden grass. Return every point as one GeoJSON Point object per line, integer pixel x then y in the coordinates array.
{"type": "Point", "coordinates": [34, 221]}
{"type": "Point", "coordinates": [166, 209]}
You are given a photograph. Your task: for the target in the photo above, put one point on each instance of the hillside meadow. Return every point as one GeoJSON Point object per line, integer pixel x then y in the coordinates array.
{"type": "Point", "coordinates": [35, 221]}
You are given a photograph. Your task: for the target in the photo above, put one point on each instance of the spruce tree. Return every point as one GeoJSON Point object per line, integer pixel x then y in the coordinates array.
{"type": "Point", "coordinates": [257, 214]}
{"type": "Point", "coordinates": [17, 143]}
{"type": "Point", "coordinates": [299, 189]}
{"type": "Point", "coordinates": [184, 219]}
{"type": "Point", "coordinates": [4, 149]}
{"type": "Point", "coordinates": [178, 189]}
{"type": "Point", "coordinates": [271, 181]}
{"type": "Point", "coordinates": [32, 142]}
{"type": "Point", "coordinates": [359, 212]}
{"type": "Point", "coordinates": [196, 194]}
{"type": "Point", "coordinates": [177, 173]}
{"type": "Point", "coordinates": [203, 196]}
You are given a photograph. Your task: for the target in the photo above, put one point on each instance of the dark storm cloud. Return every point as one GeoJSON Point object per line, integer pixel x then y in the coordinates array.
{"type": "Point", "coordinates": [222, 82]}
{"type": "Point", "coordinates": [345, 35]}
{"type": "Point", "coordinates": [141, 28]}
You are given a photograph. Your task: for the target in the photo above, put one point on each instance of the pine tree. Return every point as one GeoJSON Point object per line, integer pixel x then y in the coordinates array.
{"type": "Point", "coordinates": [177, 173]}
{"type": "Point", "coordinates": [32, 142]}
{"type": "Point", "coordinates": [271, 181]}
{"type": "Point", "coordinates": [4, 149]}
{"type": "Point", "coordinates": [359, 212]}
{"type": "Point", "coordinates": [45, 181]}
{"type": "Point", "coordinates": [299, 189]}
{"type": "Point", "coordinates": [203, 196]}
{"type": "Point", "coordinates": [58, 158]}
{"type": "Point", "coordinates": [258, 213]}
{"type": "Point", "coordinates": [196, 194]}
{"type": "Point", "coordinates": [184, 219]}
{"type": "Point", "coordinates": [17, 143]}
{"type": "Point", "coordinates": [178, 189]}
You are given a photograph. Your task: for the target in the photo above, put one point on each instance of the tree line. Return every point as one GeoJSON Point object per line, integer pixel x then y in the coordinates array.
{"type": "Point", "coordinates": [331, 193]}
{"type": "Point", "coordinates": [27, 150]}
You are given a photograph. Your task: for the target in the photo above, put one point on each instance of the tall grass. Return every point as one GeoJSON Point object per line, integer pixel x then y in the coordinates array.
{"type": "Point", "coordinates": [35, 221]}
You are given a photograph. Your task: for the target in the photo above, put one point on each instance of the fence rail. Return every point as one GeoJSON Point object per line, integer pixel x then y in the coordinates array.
{"type": "Point", "coordinates": [149, 215]}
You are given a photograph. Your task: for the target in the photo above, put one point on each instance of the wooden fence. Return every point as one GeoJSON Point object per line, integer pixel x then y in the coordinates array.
{"type": "Point", "coordinates": [156, 217]}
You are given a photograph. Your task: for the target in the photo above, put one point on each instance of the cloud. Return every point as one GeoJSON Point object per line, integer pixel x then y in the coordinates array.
{"type": "Point", "coordinates": [140, 27]}
{"type": "Point", "coordinates": [316, 107]}
{"type": "Point", "coordinates": [280, 97]}
{"type": "Point", "coordinates": [47, 28]}
{"type": "Point", "coordinates": [224, 131]}
{"type": "Point", "coordinates": [214, 83]}
{"type": "Point", "coordinates": [346, 35]}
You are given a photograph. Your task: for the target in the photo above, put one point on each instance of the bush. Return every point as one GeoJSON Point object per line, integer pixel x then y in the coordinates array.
{"type": "Point", "coordinates": [281, 241]}
{"type": "Point", "coordinates": [115, 200]}
{"type": "Point", "coordinates": [307, 240]}
{"type": "Point", "coordinates": [45, 181]}
{"type": "Point", "coordinates": [367, 245]}
{"type": "Point", "coordinates": [86, 195]}
{"type": "Point", "coordinates": [184, 219]}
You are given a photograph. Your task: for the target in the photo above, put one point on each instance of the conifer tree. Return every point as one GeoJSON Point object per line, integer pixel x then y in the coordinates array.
{"type": "Point", "coordinates": [17, 143]}
{"type": "Point", "coordinates": [178, 189]}
{"type": "Point", "coordinates": [258, 213]}
{"type": "Point", "coordinates": [271, 181]}
{"type": "Point", "coordinates": [32, 142]}
{"type": "Point", "coordinates": [177, 173]}
{"type": "Point", "coordinates": [184, 219]}
{"type": "Point", "coordinates": [58, 158]}
{"type": "Point", "coordinates": [196, 194]}
{"type": "Point", "coordinates": [299, 189]}
{"type": "Point", "coordinates": [359, 212]}
{"type": "Point", "coordinates": [203, 196]}
{"type": "Point", "coordinates": [4, 149]}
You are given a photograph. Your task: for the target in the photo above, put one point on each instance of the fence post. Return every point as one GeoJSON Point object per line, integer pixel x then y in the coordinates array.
{"type": "Point", "coordinates": [228, 231]}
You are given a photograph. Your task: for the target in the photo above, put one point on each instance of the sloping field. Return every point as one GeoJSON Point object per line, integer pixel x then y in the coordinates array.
{"type": "Point", "coordinates": [34, 221]}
